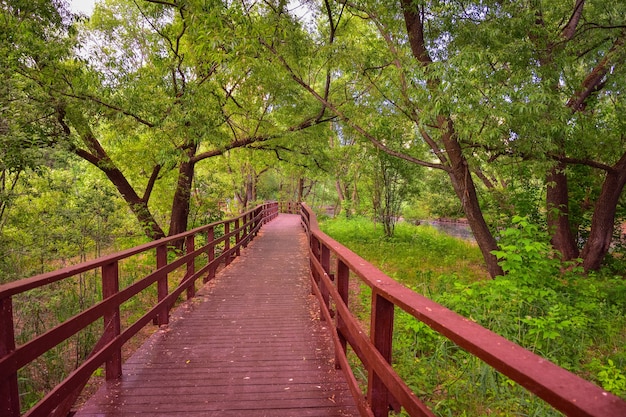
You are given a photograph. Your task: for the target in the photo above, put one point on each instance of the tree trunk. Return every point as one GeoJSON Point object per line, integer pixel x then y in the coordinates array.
{"type": "Point", "coordinates": [458, 168]}
{"type": "Point", "coordinates": [300, 189]}
{"type": "Point", "coordinates": [557, 204]}
{"type": "Point", "coordinates": [603, 220]}
{"type": "Point", "coordinates": [249, 191]}
{"type": "Point", "coordinates": [96, 155]}
{"type": "Point", "coordinates": [340, 196]}
{"type": "Point", "coordinates": [466, 191]}
{"type": "Point", "coordinates": [138, 206]}
{"type": "Point", "coordinates": [182, 195]}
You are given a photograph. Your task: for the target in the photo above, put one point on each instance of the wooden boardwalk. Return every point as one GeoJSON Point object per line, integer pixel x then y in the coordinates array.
{"type": "Point", "coordinates": [250, 344]}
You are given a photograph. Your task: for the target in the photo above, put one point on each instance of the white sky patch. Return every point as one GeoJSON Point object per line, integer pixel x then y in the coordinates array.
{"type": "Point", "coordinates": [82, 6]}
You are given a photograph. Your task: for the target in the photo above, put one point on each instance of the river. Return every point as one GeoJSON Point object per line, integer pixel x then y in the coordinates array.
{"type": "Point", "coordinates": [456, 229]}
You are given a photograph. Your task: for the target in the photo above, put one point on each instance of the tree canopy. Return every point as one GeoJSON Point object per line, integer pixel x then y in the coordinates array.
{"type": "Point", "coordinates": [513, 106]}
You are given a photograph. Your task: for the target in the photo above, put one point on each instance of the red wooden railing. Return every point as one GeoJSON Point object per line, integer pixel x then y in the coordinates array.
{"type": "Point", "coordinates": [332, 266]}
{"type": "Point", "coordinates": [565, 391]}
{"type": "Point", "coordinates": [237, 233]}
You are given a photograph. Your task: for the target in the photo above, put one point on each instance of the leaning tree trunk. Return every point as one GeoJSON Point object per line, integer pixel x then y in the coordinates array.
{"type": "Point", "coordinates": [138, 206]}
{"type": "Point", "coordinates": [557, 204]}
{"type": "Point", "coordinates": [466, 191]}
{"type": "Point", "coordinates": [603, 219]}
{"type": "Point", "coordinates": [250, 188]}
{"type": "Point", "coordinates": [458, 168]}
{"type": "Point", "coordinates": [97, 155]}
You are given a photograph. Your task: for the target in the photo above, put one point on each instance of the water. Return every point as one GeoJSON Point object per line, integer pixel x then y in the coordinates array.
{"type": "Point", "coordinates": [456, 229]}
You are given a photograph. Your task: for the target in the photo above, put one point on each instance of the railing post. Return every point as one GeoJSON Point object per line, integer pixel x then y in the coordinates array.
{"type": "Point", "coordinates": [237, 237]}
{"type": "Point", "coordinates": [112, 325]}
{"type": "Point", "coordinates": [190, 246]}
{"type": "Point", "coordinates": [315, 254]}
{"type": "Point", "coordinates": [258, 219]}
{"type": "Point", "coordinates": [325, 261]}
{"type": "Point", "coordinates": [381, 335]}
{"type": "Point", "coordinates": [9, 393]}
{"type": "Point", "coordinates": [227, 243]}
{"type": "Point", "coordinates": [246, 229]}
{"type": "Point", "coordinates": [210, 237]}
{"type": "Point", "coordinates": [162, 290]}
{"type": "Point", "coordinates": [343, 281]}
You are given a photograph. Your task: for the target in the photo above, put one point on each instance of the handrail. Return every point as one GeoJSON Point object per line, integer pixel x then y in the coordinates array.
{"type": "Point", "coordinates": [108, 349]}
{"type": "Point", "coordinates": [560, 388]}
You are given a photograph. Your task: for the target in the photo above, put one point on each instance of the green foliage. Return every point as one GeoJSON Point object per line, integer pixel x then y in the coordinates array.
{"type": "Point", "coordinates": [526, 255]}
{"type": "Point", "coordinates": [574, 320]}
{"type": "Point", "coordinates": [437, 198]}
{"type": "Point", "coordinates": [410, 245]}
{"type": "Point", "coordinates": [392, 181]}
{"type": "Point", "coordinates": [610, 376]}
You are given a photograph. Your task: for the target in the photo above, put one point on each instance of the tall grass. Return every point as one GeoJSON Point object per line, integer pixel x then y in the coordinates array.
{"type": "Point", "coordinates": [415, 255]}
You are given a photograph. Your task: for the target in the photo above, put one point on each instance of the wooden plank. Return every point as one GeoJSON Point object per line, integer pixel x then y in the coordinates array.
{"type": "Point", "coordinates": [250, 344]}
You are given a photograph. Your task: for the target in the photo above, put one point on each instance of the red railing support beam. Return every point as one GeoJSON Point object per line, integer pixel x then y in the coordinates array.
{"type": "Point", "coordinates": [112, 322]}
{"type": "Point", "coordinates": [190, 246]}
{"type": "Point", "coordinates": [210, 253]}
{"type": "Point", "coordinates": [315, 254]}
{"type": "Point", "coordinates": [343, 282]}
{"type": "Point", "coordinates": [381, 334]}
{"type": "Point", "coordinates": [227, 243]}
{"type": "Point", "coordinates": [9, 394]}
{"type": "Point", "coordinates": [325, 262]}
{"type": "Point", "coordinates": [162, 290]}
{"type": "Point", "coordinates": [237, 237]}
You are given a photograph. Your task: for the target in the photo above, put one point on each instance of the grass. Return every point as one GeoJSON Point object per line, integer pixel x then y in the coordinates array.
{"type": "Point", "coordinates": [415, 255]}
{"type": "Point", "coordinates": [574, 320]}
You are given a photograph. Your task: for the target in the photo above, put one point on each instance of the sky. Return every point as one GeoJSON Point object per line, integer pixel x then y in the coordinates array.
{"type": "Point", "coordinates": [83, 6]}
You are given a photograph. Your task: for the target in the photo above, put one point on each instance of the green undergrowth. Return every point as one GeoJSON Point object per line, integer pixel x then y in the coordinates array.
{"type": "Point", "coordinates": [577, 321]}
{"type": "Point", "coordinates": [415, 254]}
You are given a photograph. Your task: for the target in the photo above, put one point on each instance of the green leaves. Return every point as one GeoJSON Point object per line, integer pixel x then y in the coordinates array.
{"type": "Point", "coordinates": [526, 254]}
{"type": "Point", "coordinates": [610, 376]}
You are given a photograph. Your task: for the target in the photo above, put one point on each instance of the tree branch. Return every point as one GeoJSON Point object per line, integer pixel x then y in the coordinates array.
{"type": "Point", "coordinates": [377, 143]}
{"type": "Point", "coordinates": [165, 3]}
{"type": "Point", "coordinates": [240, 143]}
{"type": "Point", "coordinates": [109, 106]}
{"type": "Point", "coordinates": [151, 181]}
{"type": "Point", "coordinates": [569, 30]}
{"type": "Point", "coordinates": [594, 80]}
{"type": "Point", "coordinates": [415, 30]}
{"type": "Point", "coordinates": [586, 162]}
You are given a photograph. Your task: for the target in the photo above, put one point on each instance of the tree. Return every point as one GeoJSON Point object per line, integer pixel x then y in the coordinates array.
{"type": "Point", "coordinates": [387, 80]}
{"type": "Point", "coordinates": [32, 33]}
{"type": "Point", "coordinates": [166, 87]}
{"type": "Point", "coordinates": [487, 84]}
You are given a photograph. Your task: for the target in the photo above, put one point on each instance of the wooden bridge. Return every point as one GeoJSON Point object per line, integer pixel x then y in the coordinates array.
{"type": "Point", "coordinates": [266, 335]}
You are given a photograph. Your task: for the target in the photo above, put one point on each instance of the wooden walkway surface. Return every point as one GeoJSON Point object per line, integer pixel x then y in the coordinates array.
{"type": "Point", "coordinates": [250, 344]}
